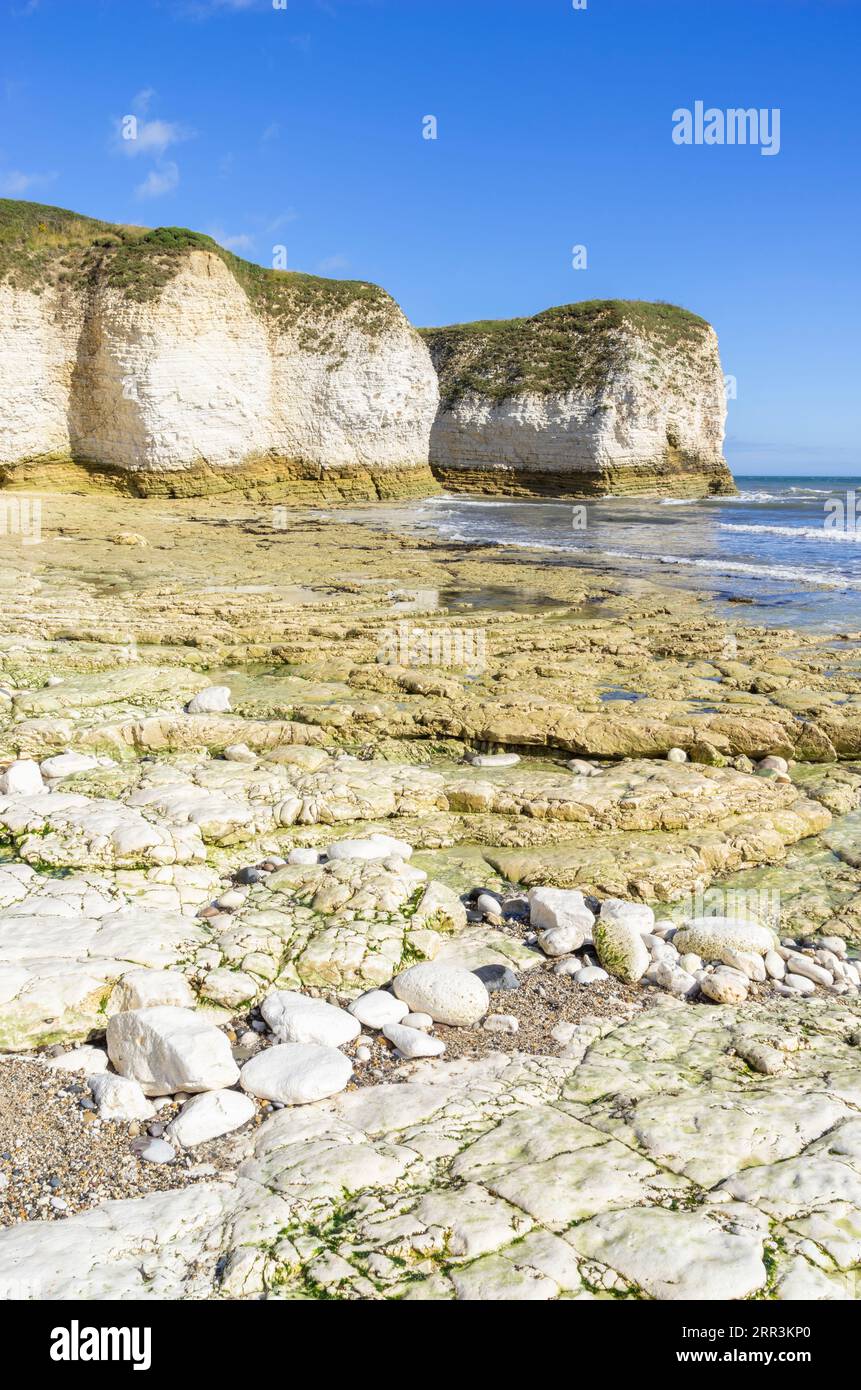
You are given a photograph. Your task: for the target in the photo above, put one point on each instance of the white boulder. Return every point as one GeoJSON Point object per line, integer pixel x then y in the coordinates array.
{"type": "Point", "coordinates": [294, 1018]}
{"type": "Point", "coordinates": [22, 778]}
{"type": "Point", "coordinates": [169, 1049]}
{"type": "Point", "coordinates": [215, 699]}
{"type": "Point", "coordinates": [296, 1073]}
{"type": "Point", "coordinates": [119, 1098]}
{"type": "Point", "coordinates": [377, 1008]}
{"type": "Point", "coordinates": [446, 992]}
{"type": "Point", "coordinates": [145, 989]}
{"type": "Point", "coordinates": [209, 1116]}
{"type": "Point", "coordinates": [412, 1042]}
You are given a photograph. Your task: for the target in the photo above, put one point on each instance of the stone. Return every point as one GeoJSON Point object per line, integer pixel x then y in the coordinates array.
{"type": "Point", "coordinates": [501, 1023]}
{"type": "Point", "coordinates": [750, 964]}
{"type": "Point", "coordinates": [803, 965]}
{"type": "Point", "coordinates": [449, 994]}
{"type": "Point", "coordinates": [590, 975]}
{"type": "Point", "coordinates": [378, 1007]}
{"type": "Point", "coordinates": [144, 989]}
{"type": "Point", "coordinates": [774, 966]}
{"type": "Point", "coordinates": [713, 937]}
{"type": "Point", "coordinates": [422, 1021]}
{"type": "Point", "coordinates": [303, 856]}
{"type": "Point", "coordinates": [296, 1018]}
{"type": "Point", "coordinates": [154, 1150]}
{"type": "Point", "coordinates": [215, 699]}
{"type": "Point", "coordinates": [362, 849]}
{"type": "Point", "coordinates": [497, 977]}
{"type": "Point", "coordinates": [799, 984]}
{"type": "Point", "coordinates": [296, 1073]}
{"type": "Point", "coordinates": [691, 962]}
{"type": "Point", "coordinates": [495, 760]}
{"type": "Point", "coordinates": [22, 778]}
{"type": "Point", "coordinates": [209, 1116]}
{"type": "Point", "coordinates": [563, 912]}
{"type": "Point", "coordinates": [674, 979]}
{"type": "Point", "coordinates": [488, 905]}
{"type": "Point", "coordinates": [413, 1042]}
{"type": "Point", "coordinates": [67, 764]}
{"type": "Point", "coordinates": [773, 763]}
{"type": "Point", "coordinates": [620, 946]}
{"type": "Point", "coordinates": [120, 1098]}
{"type": "Point", "coordinates": [91, 1060]}
{"type": "Point", "coordinates": [230, 988]}
{"type": "Point", "coordinates": [638, 916]}
{"type": "Point", "coordinates": [724, 987]}
{"type": "Point", "coordinates": [240, 753]}
{"type": "Point", "coordinates": [676, 755]}
{"type": "Point", "coordinates": [169, 1049]}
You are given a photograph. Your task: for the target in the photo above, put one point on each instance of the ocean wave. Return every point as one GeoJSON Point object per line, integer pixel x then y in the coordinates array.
{"type": "Point", "coordinates": [806, 533]}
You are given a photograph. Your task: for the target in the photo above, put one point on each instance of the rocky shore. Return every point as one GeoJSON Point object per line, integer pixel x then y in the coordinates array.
{"type": "Point", "coordinates": [524, 968]}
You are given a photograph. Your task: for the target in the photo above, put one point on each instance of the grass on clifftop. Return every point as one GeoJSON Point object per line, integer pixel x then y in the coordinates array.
{"type": "Point", "coordinates": [41, 245]}
{"type": "Point", "coordinates": [571, 348]}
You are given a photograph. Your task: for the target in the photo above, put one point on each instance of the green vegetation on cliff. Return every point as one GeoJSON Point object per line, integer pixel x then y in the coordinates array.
{"type": "Point", "coordinates": [41, 245]}
{"type": "Point", "coordinates": [574, 347]}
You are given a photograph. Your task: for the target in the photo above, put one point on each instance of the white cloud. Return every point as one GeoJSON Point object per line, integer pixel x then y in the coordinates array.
{"type": "Point", "coordinates": [331, 263]}
{"type": "Point", "coordinates": [151, 137]}
{"type": "Point", "coordinates": [159, 181]}
{"type": "Point", "coordinates": [282, 219]}
{"type": "Point", "coordinates": [15, 182]}
{"type": "Point", "coordinates": [243, 241]}
{"type": "Point", "coordinates": [142, 100]}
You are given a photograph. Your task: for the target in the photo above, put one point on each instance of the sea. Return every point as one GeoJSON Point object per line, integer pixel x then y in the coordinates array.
{"type": "Point", "coordinates": [788, 548]}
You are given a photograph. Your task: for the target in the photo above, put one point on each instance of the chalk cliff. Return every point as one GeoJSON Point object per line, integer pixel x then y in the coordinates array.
{"type": "Point", "coordinates": [610, 396]}
{"type": "Point", "coordinates": [159, 363]}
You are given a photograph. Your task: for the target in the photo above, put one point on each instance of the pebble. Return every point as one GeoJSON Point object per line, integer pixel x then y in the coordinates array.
{"type": "Point", "coordinates": [91, 1060]}
{"type": "Point", "coordinates": [774, 966]}
{"type": "Point", "coordinates": [422, 1021]}
{"type": "Point", "coordinates": [363, 1054]}
{"type": "Point", "coordinates": [590, 975]}
{"type": "Point", "coordinates": [153, 1150]}
{"type": "Point", "coordinates": [215, 699]}
{"type": "Point", "coordinates": [677, 755]}
{"type": "Point", "coordinates": [501, 1023]}
{"type": "Point", "coordinates": [249, 876]}
{"type": "Point", "coordinates": [303, 856]}
{"type": "Point", "coordinates": [412, 1042]}
{"type": "Point", "coordinates": [489, 905]}
{"type": "Point", "coordinates": [725, 987]}
{"type": "Point", "coordinates": [799, 984]}
{"type": "Point", "coordinates": [803, 965]}
{"type": "Point", "coordinates": [209, 1116]}
{"type": "Point", "coordinates": [773, 763]}
{"type": "Point", "coordinates": [119, 1098]}
{"type": "Point", "coordinates": [378, 1007]}
{"type": "Point", "coordinates": [22, 778]}
{"type": "Point", "coordinates": [240, 753]}
{"type": "Point", "coordinates": [496, 760]}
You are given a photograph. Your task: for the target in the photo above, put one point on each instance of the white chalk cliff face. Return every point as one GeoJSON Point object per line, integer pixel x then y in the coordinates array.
{"type": "Point", "coordinates": [195, 388]}
{"type": "Point", "coordinates": [636, 415]}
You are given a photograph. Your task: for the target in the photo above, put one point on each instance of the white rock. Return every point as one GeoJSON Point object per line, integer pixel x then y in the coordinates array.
{"type": "Point", "coordinates": [412, 1042]}
{"type": "Point", "coordinates": [590, 975]}
{"type": "Point", "coordinates": [677, 755]}
{"type": "Point", "coordinates": [145, 989]}
{"type": "Point", "coordinates": [502, 1023]}
{"type": "Point", "coordinates": [725, 987]}
{"type": "Point", "coordinates": [66, 764]}
{"type": "Point", "coordinates": [296, 1073]}
{"type": "Point", "coordinates": [562, 911]}
{"type": "Point", "coordinates": [215, 699]}
{"type": "Point", "coordinates": [690, 962]}
{"type": "Point", "coordinates": [400, 848]}
{"type": "Point", "coordinates": [240, 753]}
{"type": "Point", "coordinates": [489, 905]}
{"type": "Point", "coordinates": [496, 759]}
{"type": "Point", "coordinates": [674, 979]}
{"type": "Point", "coordinates": [833, 943]}
{"type": "Point", "coordinates": [580, 766]}
{"type": "Point", "coordinates": [639, 916]}
{"type": "Point", "coordinates": [750, 964]}
{"type": "Point", "coordinates": [570, 966]}
{"type": "Point", "coordinates": [168, 1050]}
{"type": "Point", "coordinates": [378, 1007]}
{"type": "Point", "coordinates": [422, 1021]}
{"type": "Point", "coordinates": [208, 1116]}
{"type": "Point", "coordinates": [774, 763]}
{"type": "Point", "coordinates": [363, 1054]}
{"type": "Point", "coordinates": [295, 1018]}
{"type": "Point", "coordinates": [157, 1151]}
{"type": "Point", "coordinates": [303, 856]}
{"type": "Point", "coordinates": [22, 778]}
{"type": "Point", "coordinates": [92, 1060]}
{"type": "Point", "coordinates": [803, 965]}
{"type": "Point", "coordinates": [446, 992]}
{"type": "Point", "coordinates": [799, 984]}
{"type": "Point", "coordinates": [713, 937]}
{"type": "Point", "coordinates": [232, 899]}
{"type": "Point", "coordinates": [119, 1098]}
{"type": "Point", "coordinates": [230, 988]}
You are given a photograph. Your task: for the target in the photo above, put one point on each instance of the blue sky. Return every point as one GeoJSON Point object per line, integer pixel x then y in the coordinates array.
{"type": "Point", "coordinates": [302, 127]}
